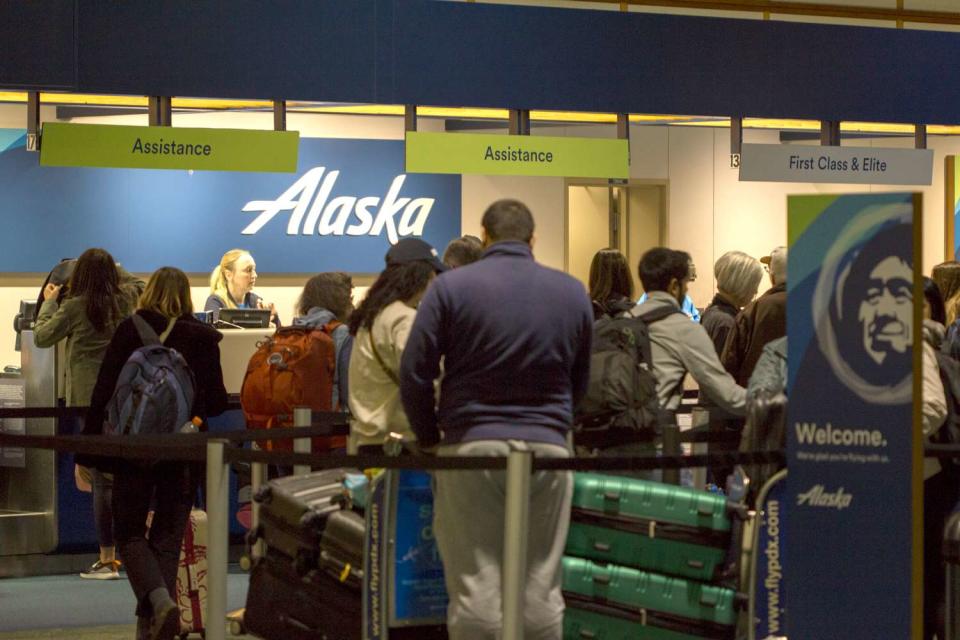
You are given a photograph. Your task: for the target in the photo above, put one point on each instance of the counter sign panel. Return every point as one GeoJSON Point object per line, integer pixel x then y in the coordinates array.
{"type": "Point", "coordinates": [844, 165]}
{"type": "Point", "coordinates": [488, 154]}
{"type": "Point", "coordinates": [100, 145]}
{"type": "Point", "coordinates": [853, 430]}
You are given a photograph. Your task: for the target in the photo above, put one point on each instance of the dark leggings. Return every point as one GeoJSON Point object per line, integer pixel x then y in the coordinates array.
{"type": "Point", "coordinates": [152, 562]}
{"type": "Point", "coordinates": [103, 507]}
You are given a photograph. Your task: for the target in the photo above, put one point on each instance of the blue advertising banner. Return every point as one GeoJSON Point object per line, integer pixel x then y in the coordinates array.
{"type": "Point", "coordinates": [419, 593]}
{"type": "Point", "coordinates": [347, 202]}
{"type": "Point", "coordinates": [853, 437]}
{"type": "Point", "coordinates": [769, 606]}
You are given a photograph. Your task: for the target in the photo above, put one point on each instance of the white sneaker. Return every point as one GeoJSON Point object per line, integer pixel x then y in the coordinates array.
{"type": "Point", "coordinates": [102, 571]}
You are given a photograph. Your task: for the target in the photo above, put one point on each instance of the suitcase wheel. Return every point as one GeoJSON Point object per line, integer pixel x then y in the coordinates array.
{"type": "Point", "coordinates": [236, 628]}
{"type": "Point", "coordinates": [264, 495]}
{"type": "Point", "coordinates": [245, 562]}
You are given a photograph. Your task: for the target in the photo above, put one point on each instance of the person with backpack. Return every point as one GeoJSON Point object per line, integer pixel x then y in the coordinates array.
{"type": "Point", "coordinates": [304, 364]}
{"type": "Point", "coordinates": [161, 357]}
{"type": "Point", "coordinates": [678, 346]}
{"type": "Point", "coordinates": [325, 304]}
{"type": "Point", "coordinates": [380, 327]}
{"type": "Point", "coordinates": [99, 295]}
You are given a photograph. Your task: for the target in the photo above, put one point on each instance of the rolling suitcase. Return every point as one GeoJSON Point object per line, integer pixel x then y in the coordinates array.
{"type": "Point", "coordinates": [609, 602]}
{"type": "Point", "coordinates": [192, 575]}
{"type": "Point", "coordinates": [649, 525]}
{"type": "Point", "coordinates": [294, 512]}
{"type": "Point", "coordinates": [283, 605]}
{"type": "Point", "coordinates": [341, 548]}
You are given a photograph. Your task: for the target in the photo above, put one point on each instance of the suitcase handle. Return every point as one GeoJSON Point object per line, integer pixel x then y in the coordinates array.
{"type": "Point", "coordinates": [695, 564]}
{"type": "Point", "coordinates": [601, 546]}
{"type": "Point", "coordinates": [587, 635]}
{"type": "Point", "coordinates": [611, 495]}
{"type": "Point", "coordinates": [601, 579]}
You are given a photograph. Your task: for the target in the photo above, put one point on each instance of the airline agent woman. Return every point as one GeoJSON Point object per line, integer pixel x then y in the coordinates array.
{"type": "Point", "coordinates": [231, 285]}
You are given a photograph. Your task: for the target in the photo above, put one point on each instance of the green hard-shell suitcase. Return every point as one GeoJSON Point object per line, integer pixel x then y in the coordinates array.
{"type": "Point", "coordinates": [650, 525]}
{"type": "Point", "coordinates": [652, 605]}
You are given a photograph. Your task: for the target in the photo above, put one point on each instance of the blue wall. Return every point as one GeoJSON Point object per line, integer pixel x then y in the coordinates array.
{"type": "Point", "coordinates": [459, 54]}
{"type": "Point", "coordinates": [151, 218]}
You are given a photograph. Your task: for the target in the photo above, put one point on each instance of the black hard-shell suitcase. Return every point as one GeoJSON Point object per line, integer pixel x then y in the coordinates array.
{"type": "Point", "coordinates": [294, 512]}
{"type": "Point", "coordinates": [341, 548]}
{"type": "Point", "coordinates": [283, 605]}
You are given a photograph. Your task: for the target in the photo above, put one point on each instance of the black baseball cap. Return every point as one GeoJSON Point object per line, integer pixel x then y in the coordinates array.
{"type": "Point", "coordinates": [413, 249]}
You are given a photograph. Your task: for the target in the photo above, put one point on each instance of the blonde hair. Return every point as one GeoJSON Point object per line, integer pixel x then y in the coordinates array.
{"type": "Point", "coordinates": [947, 277]}
{"type": "Point", "coordinates": [738, 275]}
{"type": "Point", "coordinates": [167, 293]}
{"type": "Point", "coordinates": [218, 281]}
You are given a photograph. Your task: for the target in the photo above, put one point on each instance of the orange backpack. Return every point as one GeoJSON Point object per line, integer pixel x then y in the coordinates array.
{"type": "Point", "coordinates": [292, 368]}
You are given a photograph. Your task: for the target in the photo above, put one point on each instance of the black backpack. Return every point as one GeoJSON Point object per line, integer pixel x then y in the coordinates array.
{"type": "Point", "coordinates": [949, 433]}
{"type": "Point", "coordinates": [620, 405]}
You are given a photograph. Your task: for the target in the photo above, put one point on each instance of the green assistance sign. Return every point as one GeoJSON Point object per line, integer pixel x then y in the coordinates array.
{"type": "Point", "coordinates": [517, 155]}
{"type": "Point", "coordinates": [95, 145]}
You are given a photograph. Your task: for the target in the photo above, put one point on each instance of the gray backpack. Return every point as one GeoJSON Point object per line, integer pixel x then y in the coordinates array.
{"type": "Point", "coordinates": [155, 390]}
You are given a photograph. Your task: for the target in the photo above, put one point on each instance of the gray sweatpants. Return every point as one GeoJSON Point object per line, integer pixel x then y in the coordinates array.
{"type": "Point", "coordinates": [468, 522]}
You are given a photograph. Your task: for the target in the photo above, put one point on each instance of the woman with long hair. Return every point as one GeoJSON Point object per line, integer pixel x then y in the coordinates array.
{"type": "Point", "coordinates": [611, 285]}
{"type": "Point", "coordinates": [152, 561]}
{"type": "Point", "coordinates": [99, 295]}
{"type": "Point", "coordinates": [946, 275]}
{"type": "Point", "coordinates": [231, 285]}
{"type": "Point", "coordinates": [380, 326]}
{"type": "Point", "coordinates": [326, 298]}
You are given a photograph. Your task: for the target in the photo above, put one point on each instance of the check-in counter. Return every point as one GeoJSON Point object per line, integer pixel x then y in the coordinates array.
{"type": "Point", "coordinates": [235, 350]}
{"type": "Point", "coordinates": [28, 477]}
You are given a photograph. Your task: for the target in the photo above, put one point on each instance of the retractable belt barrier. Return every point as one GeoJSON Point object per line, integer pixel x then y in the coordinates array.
{"type": "Point", "coordinates": [219, 450]}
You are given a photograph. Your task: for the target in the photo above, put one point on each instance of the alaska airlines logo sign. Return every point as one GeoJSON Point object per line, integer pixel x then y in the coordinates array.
{"type": "Point", "coordinates": [314, 212]}
{"type": "Point", "coordinates": [818, 496]}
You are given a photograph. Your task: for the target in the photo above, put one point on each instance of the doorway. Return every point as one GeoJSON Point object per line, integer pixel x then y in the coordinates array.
{"type": "Point", "coordinates": [630, 217]}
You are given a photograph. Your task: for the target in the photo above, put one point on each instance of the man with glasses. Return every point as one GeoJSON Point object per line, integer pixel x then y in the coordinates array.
{"type": "Point", "coordinates": [677, 345]}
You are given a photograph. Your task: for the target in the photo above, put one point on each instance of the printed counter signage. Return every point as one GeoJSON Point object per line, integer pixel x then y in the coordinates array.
{"type": "Point", "coordinates": [107, 145]}
{"type": "Point", "coordinates": [347, 202]}
{"type": "Point", "coordinates": [844, 165]}
{"type": "Point", "coordinates": [490, 154]}
{"type": "Point", "coordinates": [853, 438]}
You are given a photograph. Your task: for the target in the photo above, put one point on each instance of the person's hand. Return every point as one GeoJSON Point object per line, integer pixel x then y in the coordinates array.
{"type": "Point", "coordinates": [83, 478]}
{"type": "Point", "coordinates": [271, 306]}
{"type": "Point", "coordinates": [51, 291]}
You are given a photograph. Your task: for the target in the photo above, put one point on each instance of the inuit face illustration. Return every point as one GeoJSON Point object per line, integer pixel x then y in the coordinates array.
{"type": "Point", "coordinates": [886, 310]}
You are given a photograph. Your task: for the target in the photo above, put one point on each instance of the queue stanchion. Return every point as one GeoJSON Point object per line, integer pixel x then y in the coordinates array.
{"type": "Point", "coordinates": [671, 447]}
{"type": "Point", "coordinates": [516, 526]}
{"type": "Point", "coordinates": [951, 556]}
{"type": "Point", "coordinates": [218, 482]}
{"type": "Point", "coordinates": [302, 416]}
{"type": "Point", "coordinates": [258, 477]}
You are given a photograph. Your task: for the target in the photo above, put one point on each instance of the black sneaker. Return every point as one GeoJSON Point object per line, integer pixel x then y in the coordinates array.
{"type": "Point", "coordinates": [102, 571]}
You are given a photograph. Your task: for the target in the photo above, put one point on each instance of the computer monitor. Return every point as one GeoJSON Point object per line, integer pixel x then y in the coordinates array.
{"type": "Point", "coordinates": [243, 318]}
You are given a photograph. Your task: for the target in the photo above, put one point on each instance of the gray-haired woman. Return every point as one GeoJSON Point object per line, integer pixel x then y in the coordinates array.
{"type": "Point", "coordinates": [738, 277]}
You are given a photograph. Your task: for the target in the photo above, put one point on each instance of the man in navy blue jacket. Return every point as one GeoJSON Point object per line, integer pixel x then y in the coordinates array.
{"type": "Point", "coordinates": [514, 337]}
